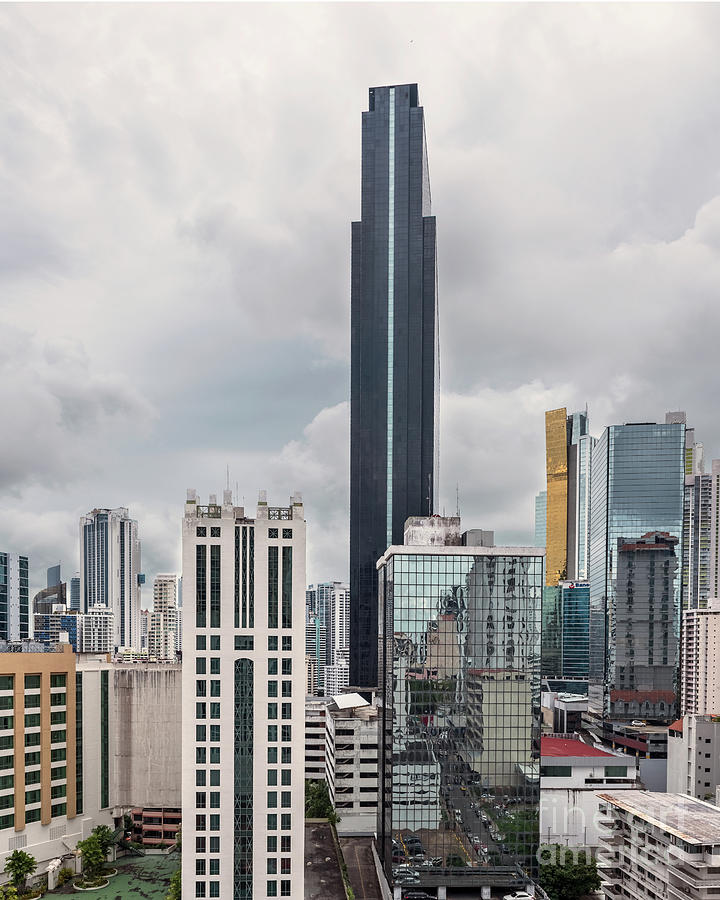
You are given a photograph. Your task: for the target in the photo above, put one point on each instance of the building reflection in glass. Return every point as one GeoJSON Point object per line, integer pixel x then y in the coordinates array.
{"type": "Point", "coordinates": [460, 690]}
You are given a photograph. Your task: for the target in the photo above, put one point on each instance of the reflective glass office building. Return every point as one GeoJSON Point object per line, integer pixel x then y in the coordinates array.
{"type": "Point", "coordinates": [460, 691]}
{"type": "Point", "coordinates": [394, 359]}
{"type": "Point", "coordinates": [637, 480]}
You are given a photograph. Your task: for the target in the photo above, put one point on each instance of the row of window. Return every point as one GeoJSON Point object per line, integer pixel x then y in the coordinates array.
{"type": "Point", "coordinates": [201, 531]}
{"type": "Point", "coordinates": [242, 642]}
{"type": "Point", "coordinates": [32, 682]}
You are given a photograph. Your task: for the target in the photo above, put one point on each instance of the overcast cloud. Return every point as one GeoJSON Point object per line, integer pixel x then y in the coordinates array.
{"type": "Point", "coordinates": [176, 188]}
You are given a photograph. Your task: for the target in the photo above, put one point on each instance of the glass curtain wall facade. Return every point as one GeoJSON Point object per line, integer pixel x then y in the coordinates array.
{"type": "Point", "coordinates": [636, 488]}
{"type": "Point", "coordinates": [394, 359]}
{"type": "Point", "coordinates": [696, 543]}
{"type": "Point", "coordinates": [575, 629]}
{"type": "Point", "coordinates": [460, 687]}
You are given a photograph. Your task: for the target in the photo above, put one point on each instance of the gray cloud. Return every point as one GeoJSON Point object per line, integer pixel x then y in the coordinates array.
{"type": "Point", "coordinates": [176, 188]}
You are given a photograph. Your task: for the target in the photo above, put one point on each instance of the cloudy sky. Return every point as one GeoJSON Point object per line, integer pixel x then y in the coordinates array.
{"type": "Point", "coordinates": [176, 188]}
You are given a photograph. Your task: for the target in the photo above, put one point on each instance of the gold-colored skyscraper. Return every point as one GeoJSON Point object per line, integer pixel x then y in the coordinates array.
{"type": "Point", "coordinates": [556, 467]}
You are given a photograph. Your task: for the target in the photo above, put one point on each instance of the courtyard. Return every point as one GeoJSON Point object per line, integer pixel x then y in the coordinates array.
{"type": "Point", "coordinates": [138, 876]}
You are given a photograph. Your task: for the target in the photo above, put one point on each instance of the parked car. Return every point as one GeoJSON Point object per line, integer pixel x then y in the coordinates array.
{"type": "Point", "coordinates": [519, 895]}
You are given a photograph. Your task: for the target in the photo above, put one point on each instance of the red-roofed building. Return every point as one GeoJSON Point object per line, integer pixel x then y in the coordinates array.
{"type": "Point", "coordinates": [571, 774]}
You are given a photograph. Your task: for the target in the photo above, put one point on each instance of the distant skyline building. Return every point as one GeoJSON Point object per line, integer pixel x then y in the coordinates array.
{"type": "Point", "coordinates": [53, 595]}
{"type": "Point", "coordinates": [14, 598]}
{"type": "Point", "coordinates": [110, 570]}
{"type": "Point", "coordinates": [394, 355]}
{"type": "Point", "coordinates": [163, 624]}
{"type": "Point", "coordinates": [637, 487]}
{"type": "Point", "coordinates": [540, 518]}
{"type": "Point", "coordinates": [243, 727]}
{"type": "Point", "coordinates": [700, 660]}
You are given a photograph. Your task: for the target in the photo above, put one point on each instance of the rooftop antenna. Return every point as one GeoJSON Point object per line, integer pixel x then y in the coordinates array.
{"type": "Point", "coordinates": [457, 499]}
{"type": "Point", "coordinates": [227, 476]}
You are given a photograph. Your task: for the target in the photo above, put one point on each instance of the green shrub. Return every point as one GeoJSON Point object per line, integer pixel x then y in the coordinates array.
{"type": "Point", "coordinates": [65, 875]}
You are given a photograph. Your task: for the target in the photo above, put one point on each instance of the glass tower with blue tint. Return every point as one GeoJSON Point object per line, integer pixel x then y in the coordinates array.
{"type": "Point", "coordinates": [460, 688]}
{"type": "Point", "coordinates": [394, 360]}
{"type": "Point", "coordinates": [637, 482]}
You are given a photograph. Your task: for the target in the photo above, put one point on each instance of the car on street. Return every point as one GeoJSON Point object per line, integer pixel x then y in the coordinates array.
{"type": "Point", "coordinates": [519, 895]}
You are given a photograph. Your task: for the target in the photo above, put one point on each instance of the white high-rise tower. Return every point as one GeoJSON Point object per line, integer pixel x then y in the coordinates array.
{"type": "Point", "coordinates": [243, 728]}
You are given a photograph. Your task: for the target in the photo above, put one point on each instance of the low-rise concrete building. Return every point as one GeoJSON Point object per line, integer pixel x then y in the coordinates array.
{"type": "Point", "coordinates": [659, 847]}
{"type": "Point", "coordinates": [571, 774]}
{"type": "Point", "coordinates": [562, 712]}
{"type": "Point", "coordinates": [315, 717]}
{"type": "Point", "coordinates": [694, 756]}
{"type": "Point", "coordinates": [351, 762]}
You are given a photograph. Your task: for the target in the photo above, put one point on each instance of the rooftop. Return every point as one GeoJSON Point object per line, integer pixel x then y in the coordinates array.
{"type": "Point", "coordinates": [554, 746]}
{"type": "Point", "coordinates": [691, 820]}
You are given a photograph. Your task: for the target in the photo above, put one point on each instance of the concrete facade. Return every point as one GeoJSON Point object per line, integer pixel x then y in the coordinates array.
{"type": "Point", "coordinates": [315, 715]}
{"type": "Point", "coordinates": [351, 762]}
{"type": "Point", "coordinates": [693, 764]}
{"type": "Point", "coordinates": [700, 660]}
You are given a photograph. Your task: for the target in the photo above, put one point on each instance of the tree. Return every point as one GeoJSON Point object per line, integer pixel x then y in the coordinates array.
{"type": "Point", "coordinates": [93, 858]}
{"type": "Point", "coordinates": [8, 892]}
{"type": "Point", "coordinates": [105, 836]}
{"type": "Point", "coordinates": [317, 801]}
{"type": "Point", "coordinates": [18, 866]}
{"type": "Point", "coordinates": [567, 873]}
{"type": "Point", "coordinates": [175, 891]}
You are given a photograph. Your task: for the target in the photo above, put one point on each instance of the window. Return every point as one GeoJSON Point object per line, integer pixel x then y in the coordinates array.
{"type": "Point", "coordinates": [58, 680]}
{"type": "Point", "coordinates": [272, 822]}
{"type": "Point", "coordinates": [272, 642]}
{"type": "Point", "coordinates": [287, 688]}
{"type": "Point", "coordinates": [214, 866]}
{"type": "Point", "coordinates": [272, 866]}
{"type": "Point", "coordinates": [200, 756]}
{"type": "Point", "coordinates": [214, 822]}
{"type": "Point", "coordinates": [55, 755]}
{"type": "Point", "coordinates": [244, 642]}
{"type": "Point", "coordinates": [272, 667]}
{"type": "Point", "coordinates": [214, 710]}
{"type": "Point", "coordinates": [272, 711]}
{"type": "Point", "coordinates": [285, 888]}
{"type": "Point", "coordinates": [287, 534]}
{"type": "Point", "coordinates": [272, 889]}
{"type": "Point", "coordinates": [287, 587]}
{"type": "Point", "coordinates": [286, 733]}
{"type": "Point", "coordinates": [33, 796]}
{"type": "Point", "coordinates": [215, 688]}
{"type": "Point", "coordinates": [199, 866]}
{"type": "Point", "coordinates": [285, 821]}
{"type": "Point", "coordinates": [272, 533]}
{"type": "Point", "coordinates": [272, 578]}
{"type": "Point", "coordinates": [214, 641]}
{"type": "Point", "coordinates": [272, 688]}
{"type": "Point", "coordinates": [57, 791]}
{"type": "Point", "coordinates": [287, 710]}
{"type": "Point", "coordinates": [272, 799]}
{"type": "Point", "coordinates": [200, 665]}
{"type": "Point", "coordinates": [215, 531]}
{"type": "Point", "coordinates": [285, 777]}
{"type": "Point", "coordinates": [616, 771]}
{"type": "Point", "coordinates": [199, 844]}
{"type": "Point", "coordinates": [215, 800]}
{"type": "Point", "coordinates": [285, 843]}
{"type": "Point", "coordinates": [215, 733]}
{"type": "Point", "coordinates": [200, 710]}
{"type": "Point", "coordinates": [6, 682]}
{"type": "Point", "coordinates": [214, 886]}
{"type": "Point", "coordinates": [201, 586]}
{"type": "Point", "coordinates": [200, 800]}
{"type": "Point", "coordinates": [272, 776]}
{"type": "Point", "coordinates": [58, 737]}
{"type": "Point", "coordinates": [287, 667]}
{"type": "Point", "coordinates": [215, 756]}
{"type": "Point", "coordinates": [272, 843]}
{"type": "Point", "coordinates": [287, 643]}
{"type": "Point", "coordinates": [214, 777]}
{"type": "Point", "coordinates": [200, 643]}
{"type": "Point", "coordinates": [32, 682]}
{"type": "Point", "coordinates": [200, 885]}
{"type": "Point", "coordinates": [200, 733]}
{"type": "Point", "coordinates": [285, 799]}
{"type": "Point", "coordinates": [32, 701]}
{"type": "Point", "coordinates": [33, 815]}
{"type": "Point", "coordinates": [58, 772]}
{"type": "Point", "coordinates": [58, 699]}
{"type": "Point", "coordinates": [201, 531]}
{"type": "Point", "coordinates": [200, 688]}
{"type": "Point", "coordinates": [32, 739]}
{"type": "Point", "coordinates": [286, 755]}
{"type": "Point", "coordinates": [58, 718]}
{"type": "Point", "coordinates": [214, 666]}
{"type": "Point", "coordinates": [272, 733]}
{"type": "Point", "coordinates": [214, 844]}
{"type": "Point", "coordinates": [200, 823]}
{"type": "Point", "coordinates": [200, 777]}
{"type": "Point", "coordinates": [555, 771]}
{"type": "Point", "coordinates": [272, 755]}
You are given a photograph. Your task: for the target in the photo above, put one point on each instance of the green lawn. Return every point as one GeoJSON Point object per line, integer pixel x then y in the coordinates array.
{"type": "Point", "coordinates": [138, 876]}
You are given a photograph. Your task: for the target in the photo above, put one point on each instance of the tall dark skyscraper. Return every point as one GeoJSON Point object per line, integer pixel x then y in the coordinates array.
{"type": "Point", "coordinates": [393, 442]}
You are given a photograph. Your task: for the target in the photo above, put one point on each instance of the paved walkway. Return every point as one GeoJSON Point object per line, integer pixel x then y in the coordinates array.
{"type": "Point", "coordinates": [361, 868]}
